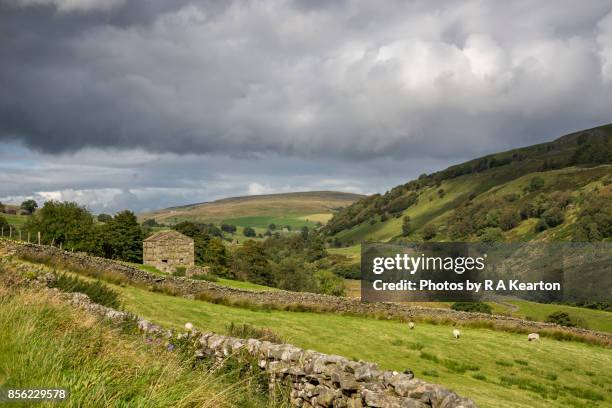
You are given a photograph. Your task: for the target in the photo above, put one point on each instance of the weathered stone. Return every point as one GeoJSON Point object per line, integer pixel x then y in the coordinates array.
{"type": "Point", "coordinates": [366, 372]}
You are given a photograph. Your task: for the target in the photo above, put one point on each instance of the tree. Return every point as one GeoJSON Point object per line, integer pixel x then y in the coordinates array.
{"type": "Point", "coordinates": [4, 223]}
{"type": "Point", "coordinates": [149, 222]}
{"type": "Point", "coordinates": [29, 206]}
{"type": "Point", "coordinates": [68, 224]}
{"type": "Point", "coordinates": [216, 256]}
{"type": "Point", "coordinates": [229, 228]}
{"type": "Point", "coordinates": [272, 227]}
{"type": "Point", "coordinates": [104, 217]}
{"type": "Point", "coordinates": [295, 275]}
{"type": "Point", "coordinates": [249, 232]}
{"type": "Point", "coordinates": [429, 232]}
{"type": "Point", "coordinates": [123, 238]}
{"type": "Point", "coordinates": [406, 226]}
{"type": "Point", "coordinates": [249, 262]}
{"type": "Point", "coordinates": [1, 207]}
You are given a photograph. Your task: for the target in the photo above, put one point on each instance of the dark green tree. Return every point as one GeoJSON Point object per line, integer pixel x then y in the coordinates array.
{"type": "Point", "coordinates": [249, 262]}
{"type": "Point", "coordinates": [104, 217]}
{"type": "Point", "coordinates": [29, 206]}
{"type": "Point", "coordinates": [229, 228]}
{"type": "Point", "coordinates": [123, 237]}
{"type": "Point", "coordinates": [249, 232]}
{"type": "Point", "coordinates": [68, 224]}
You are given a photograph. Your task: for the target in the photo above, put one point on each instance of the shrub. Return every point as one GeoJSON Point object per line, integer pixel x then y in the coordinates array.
{"type": "Point", "coordinates": [347, 271]}
{"type": "Point", "coordinates": [429, 232]}
{"type": "Point", "coordinates": [97, 291]}
{"type": "Point", "coordinates": [535, 183]}
{"type": "Point", "coordinates": [472, 307]}
{"type": "Point", "coordinates": [562, 319]}
{"type": "Point", "coordinates": [491, 235]}
{"type": "Point", "coordinates": [180, 271]}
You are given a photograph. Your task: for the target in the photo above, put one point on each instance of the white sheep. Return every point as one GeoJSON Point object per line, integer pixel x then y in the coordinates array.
{"type": "Point", "coordinates": [456, 333]}
{"type": "Point", "coordinates": [189, 326]}
{"type": "Point", "coordinates": [533, 336]}
{"type": "Point", "coordinates": [410, 325]}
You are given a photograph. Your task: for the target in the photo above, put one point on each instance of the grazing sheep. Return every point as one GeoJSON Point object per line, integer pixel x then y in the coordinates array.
{"type": "Point", "coordinates": [533, 336]}
{"type": "Point", "coordinates": [189, 326]}
{"type": "Point", "coordinates": [456, 333]}
{"type": "Point", "coordinates": [410, 325]}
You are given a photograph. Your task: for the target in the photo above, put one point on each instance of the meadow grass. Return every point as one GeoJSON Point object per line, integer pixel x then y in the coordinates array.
{"type": "Point", "coordinates": [427, 348]}
{"type": "Point", "coordinates": [244, 285]}
{"type": "Point", "coordinates": [45, 343]}
{"type": "Point", "coordinates": [15, 220]}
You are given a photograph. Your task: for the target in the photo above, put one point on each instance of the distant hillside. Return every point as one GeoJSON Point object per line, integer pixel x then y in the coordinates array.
{"type": "Point", "coordinates": [294, 209]}
{"type": "Point", "coordinates": [559, 190]}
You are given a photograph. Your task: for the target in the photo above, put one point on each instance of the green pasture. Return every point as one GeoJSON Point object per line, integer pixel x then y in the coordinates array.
{"type": "Point", "coordinates": [486, 365]}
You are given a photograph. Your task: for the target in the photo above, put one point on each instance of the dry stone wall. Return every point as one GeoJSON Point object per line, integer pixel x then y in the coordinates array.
{"type": "Point", "coordinates": [314, 379]}
{"type": "Point", "coordinates": [190, 287]}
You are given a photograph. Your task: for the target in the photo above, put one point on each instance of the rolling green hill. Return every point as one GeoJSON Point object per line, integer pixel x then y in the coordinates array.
{"type": "Point", "coordinates": [560, 190]}
{"type": "Point", "coordinates": [294, 209]}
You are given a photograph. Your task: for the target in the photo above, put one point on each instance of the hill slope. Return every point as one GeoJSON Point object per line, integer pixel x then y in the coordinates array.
{"type": "Point", "coordinates": [294, 209]}
{"type": "Point", "coordinates": [558, 190]}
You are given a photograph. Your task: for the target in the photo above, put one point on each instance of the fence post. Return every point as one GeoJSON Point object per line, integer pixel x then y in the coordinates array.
{"type": "Point", "coordinates": [10, 231]}
{"type": "Point", "coordinates": [2, 231]}
{"type": "Point", "coordinates": [60, 246]}
{"type": "Point", "coordinates": [38, 237]}
{"type": "Point", "coordinates": [28, 237]}
{"type": "Point", "coordinates": [20, 235]}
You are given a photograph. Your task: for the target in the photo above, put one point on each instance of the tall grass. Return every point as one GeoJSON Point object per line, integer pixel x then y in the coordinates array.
{"type": "Point", "coordinates": [45, 343]}
{"type": "Point", "coordinates": [97, 291]}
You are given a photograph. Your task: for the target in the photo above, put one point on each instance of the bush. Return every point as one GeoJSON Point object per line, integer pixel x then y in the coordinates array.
{"type": "Point", "coordinates": [249, 232]}
{"type": "Point", "coordinates": [535, 183]}
{"type": "Point", "coordinates": [348, 271]}
{"type": "Point", "coordinates": [429, 232]}
{"type": "Point", "coordinates": [472, 307]}
{"type": "Point", "coordinates": [97, 291]}
{"type": "Point", "coordinates": [491, 235]}
{"type": "Point", "coordinates": [180, 271]}
{"type": "Point", "coordinates": [562, 319]}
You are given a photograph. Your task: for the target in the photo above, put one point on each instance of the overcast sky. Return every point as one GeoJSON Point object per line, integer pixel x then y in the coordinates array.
{"type": "Point", "coordinates": [149, 103]}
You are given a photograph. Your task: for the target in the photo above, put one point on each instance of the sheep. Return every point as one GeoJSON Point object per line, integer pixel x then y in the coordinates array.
{"type": "Point", "coordinates": [189, 326]}
{"type": "Point", "coordinates": [456, 333]}
{"type": "Point", "coordinates": [410, 325]}
{"type": "Point", "coordinates": [533, 336]}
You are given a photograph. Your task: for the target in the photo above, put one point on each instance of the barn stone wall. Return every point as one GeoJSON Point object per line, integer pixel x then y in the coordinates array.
{"type": "Point", "coordinates": [169, 253]}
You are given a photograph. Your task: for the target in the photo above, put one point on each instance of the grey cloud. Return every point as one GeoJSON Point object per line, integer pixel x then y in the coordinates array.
{"type": "Point", "coordinates": [307, 79]}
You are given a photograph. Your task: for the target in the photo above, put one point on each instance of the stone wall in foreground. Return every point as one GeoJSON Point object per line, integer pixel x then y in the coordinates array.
{"type": "Point", "coordinates": [311, 379]}
{"type": "Point", "coordinates": [190, 287]}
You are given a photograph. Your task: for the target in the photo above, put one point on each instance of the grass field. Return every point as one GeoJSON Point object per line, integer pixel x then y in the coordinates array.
{"type": "Point", "coordinates": [45, 343]}
{"type": "Point", "coordinates": [591, 319]}
{"type": "Point", "coordinates": [485, 365]}
{"type": "Point", "coordinates": [244, 285]}
{"type": "Point", "coordinates": [294, 209]}
{"type": "Point", "coordinates": [15, 220]}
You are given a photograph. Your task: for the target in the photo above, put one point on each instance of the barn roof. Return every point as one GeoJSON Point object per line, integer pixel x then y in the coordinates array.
{"type": "Point", "coordinates": [168, 235]}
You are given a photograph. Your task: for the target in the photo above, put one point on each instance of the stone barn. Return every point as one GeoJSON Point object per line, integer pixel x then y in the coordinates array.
{"type": "Point", "coordinates": [166, 250]}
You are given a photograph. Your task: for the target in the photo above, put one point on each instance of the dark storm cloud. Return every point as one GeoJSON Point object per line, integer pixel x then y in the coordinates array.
{"type": "Point", "coordinates": [150, 103]}
{"type": "Point", "coordinates": [341, 79]}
